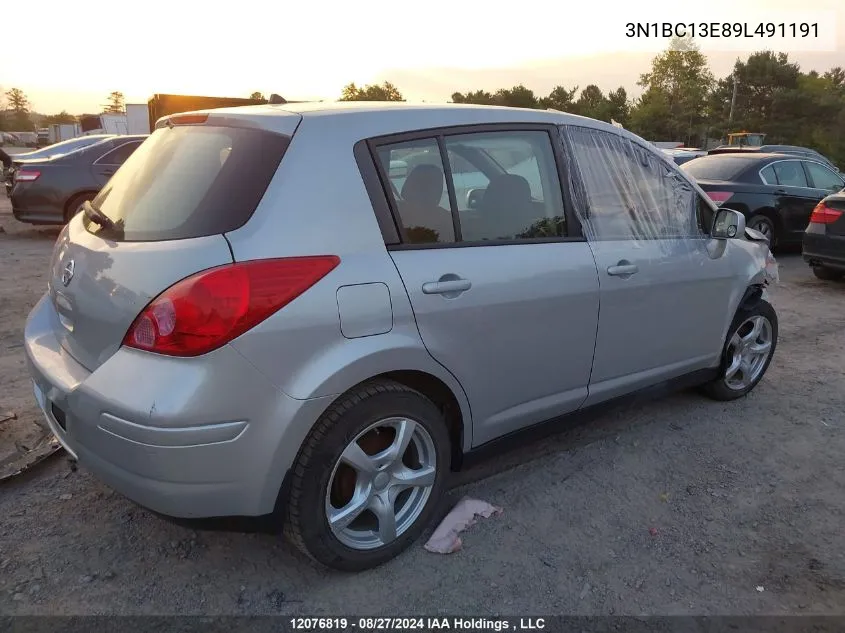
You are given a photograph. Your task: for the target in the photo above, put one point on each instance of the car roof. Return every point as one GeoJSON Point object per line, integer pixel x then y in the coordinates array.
{"type": "Point", "coordinates": [374, 118]}
{"type": "Point", "coordinates": [758, 156]}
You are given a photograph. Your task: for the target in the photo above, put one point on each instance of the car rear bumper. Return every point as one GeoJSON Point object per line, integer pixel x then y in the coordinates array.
{"type": "Point", "coordinates": [821, 249]}
{"type": "Point", "coordinates": [162, 431]}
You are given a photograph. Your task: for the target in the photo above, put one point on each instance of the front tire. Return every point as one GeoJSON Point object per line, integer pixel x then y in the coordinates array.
{"type": "Point", "coordinates": [748, 351]}
{"type": "Point", "coordinates": [827, 274]}
{"type": "Point", "coordinates": [369, 477]}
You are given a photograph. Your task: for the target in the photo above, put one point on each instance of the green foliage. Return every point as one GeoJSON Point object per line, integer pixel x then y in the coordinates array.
{"type": "Point", "coordinates": [258, 96]}
{"type": "Point", "coordinates": [115, 103]}
{"type": "Point", "coordinates": [384, 92]}
{"type": "Point", "coordinates": [677, 89]}
{"type": "Point", "coordinates": [682, 101]}
{"type": "Point", "coordinates": [17, 115]}
{"type": "Point", "coordinates": [61, 117]}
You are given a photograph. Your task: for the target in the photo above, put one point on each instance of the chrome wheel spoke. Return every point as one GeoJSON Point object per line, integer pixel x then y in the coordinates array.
{"type": "Point", "coordinates": [733, 367]}
{"type": "Point", "coordinates": [760, 348]}
{"type": "Point", "coordinates": [419, 478]}
{"type": "Point", "coordinates": [342, 517]}
{"type": "Point", "coordinates": [355, 456]}
{"type": "Point", "coordinates": [386, 519]}
{"type": "Point", "coordinates": [754, 334]}
{"type": "Point", "coordinates": [393, 454]}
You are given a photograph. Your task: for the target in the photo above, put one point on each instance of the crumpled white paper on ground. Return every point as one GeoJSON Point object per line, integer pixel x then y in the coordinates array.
{"type": "Point", "coordinates": [446, 539]}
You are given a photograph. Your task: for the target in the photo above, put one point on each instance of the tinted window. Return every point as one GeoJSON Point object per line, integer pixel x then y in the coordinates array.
{"type": "Point", "coordinates": [824, 178]}
{"type": "Point", "coordinates": [790, 173]}
{"type": "Point", "coordinates": [716, 167]}
{"type": "Point", "coordinates": [505, 184]}
{"type": "Point", "coordinates": [509, 189]}
{"type": "Point", "coordinates": [118, 156]}
{"type": "Point", "coordinates": [768, 176]}
{"type": "Point", "coordinates": [189, 181]}
{"type": "Point", "coordinates": [629, 192]}
{"type": "Point", "coordinates": [418, 187]}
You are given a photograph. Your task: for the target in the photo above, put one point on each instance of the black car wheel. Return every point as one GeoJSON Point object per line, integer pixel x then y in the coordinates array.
{"type": "Point", "coordinates": [765, 226]}
{"type": "Point", "coordinates": [369, 476]}
{"type": "Point", "coordinates": [827, 274]}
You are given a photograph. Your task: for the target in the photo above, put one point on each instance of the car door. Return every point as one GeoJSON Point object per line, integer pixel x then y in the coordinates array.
{"type": "Point", "coordinates": [664, 297]}
{"type": "Point", "coordinates": [105, 166]}
{"type": "Point", "coordinates": [795, 197]}
{"type": "Point", "coordinates": [511, 310]}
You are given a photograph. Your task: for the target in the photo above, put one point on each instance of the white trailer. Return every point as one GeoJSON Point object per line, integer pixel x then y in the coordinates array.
{"type": "Point", "coordinates": [137, 118]}
{"type": "Point", "coordinates": [103, 124]}
{"type": "Point", "coordinates": [63, 131]}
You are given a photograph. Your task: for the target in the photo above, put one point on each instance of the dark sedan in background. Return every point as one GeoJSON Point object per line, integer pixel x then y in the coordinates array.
{"type": "Point", "coordinates": [53, 190]}
{"type": "Point", "coordinates": [795, 150]}
{"type": "Point", "coordinates": [776, 192]}
{"type": "Point", "coordinates": [824, 239]}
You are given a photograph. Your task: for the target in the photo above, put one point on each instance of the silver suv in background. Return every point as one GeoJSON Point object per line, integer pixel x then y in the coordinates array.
{"type": "Point", "coordinates": [315, 311]}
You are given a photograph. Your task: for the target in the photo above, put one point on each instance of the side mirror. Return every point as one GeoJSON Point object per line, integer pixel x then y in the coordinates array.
{"type": "Point", "coordinates": [728, 224]}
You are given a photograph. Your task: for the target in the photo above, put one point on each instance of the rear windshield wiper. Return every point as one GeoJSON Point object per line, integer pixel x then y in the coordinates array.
{"type": "Point", "coordinates": [97, 216]}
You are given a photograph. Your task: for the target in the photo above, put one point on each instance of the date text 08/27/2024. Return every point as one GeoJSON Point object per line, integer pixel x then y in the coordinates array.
{"type": "Point", "coordinates": [416, 624]}
{"type": "Point", "coordinates": [722, 29]}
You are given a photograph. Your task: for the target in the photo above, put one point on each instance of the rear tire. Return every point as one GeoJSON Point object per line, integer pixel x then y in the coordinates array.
{"type": "Point", "coordinates": [827, 274]}
{"type": "Point", "coordinates": [765, 225]}
{"type": "Point", "coordinates": [348, 466]}
{"type": "Point", "coordinates": [74, 206]}
{"type": "Point", "coordinates": [743, 363]}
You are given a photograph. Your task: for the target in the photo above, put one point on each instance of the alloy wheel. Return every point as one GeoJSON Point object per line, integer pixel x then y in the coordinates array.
{"type": "Point", "coordinates": [748, 350]}
{"type": "Point", "coordinates": [381, 483]}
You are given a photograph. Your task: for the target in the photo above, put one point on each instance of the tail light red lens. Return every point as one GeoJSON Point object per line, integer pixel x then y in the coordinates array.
{"type": "Point", "coordinates": [823, 214]}
{"type": "Point", "coordinates": [720, 197]}
{"type": "Point", "coordinates": [27, 175]}
{"type": "Point", "coordinates": [207, 310]}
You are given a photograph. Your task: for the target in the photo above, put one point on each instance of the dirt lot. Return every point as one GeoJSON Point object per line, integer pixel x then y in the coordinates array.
{"type": "Point", "coordinates": [745, 500]}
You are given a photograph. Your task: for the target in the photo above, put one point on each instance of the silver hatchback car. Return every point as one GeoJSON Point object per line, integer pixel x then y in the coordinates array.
{"type": "Point", "coordinates": [316, 311]}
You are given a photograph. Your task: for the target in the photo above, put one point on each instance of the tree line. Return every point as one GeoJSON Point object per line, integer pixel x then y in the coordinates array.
{"type": "Point", "coordinates": [17, 116]}
{"type": "Point", "coordinates": [681, 101]}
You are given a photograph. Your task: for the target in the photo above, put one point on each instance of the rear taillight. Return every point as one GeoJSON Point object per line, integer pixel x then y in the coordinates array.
{"type": "Point", "coordinates": [823, 214]}
{"type": "Point", "coordinates": [209, 309]}
{"type": "Point", "coordinates": [719, 196]}
{"type": "Point", "coordinates": [26, 175]}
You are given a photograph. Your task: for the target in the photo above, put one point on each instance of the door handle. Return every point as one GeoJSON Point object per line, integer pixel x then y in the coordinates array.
{"type": "Point", "coordinates": [780, 192]}
{"type": "Point", "coordinates": [108, 172]}
{"type": "Point", "coordinates": [623, 269]}
{"type": "Point", "coordinates": [446, 287]}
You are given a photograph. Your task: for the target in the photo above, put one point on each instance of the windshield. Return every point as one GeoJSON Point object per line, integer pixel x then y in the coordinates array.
{"type": "Point", "coordinates": [189, 181]}
{"type": "Point", "coordinates": [716, 167]}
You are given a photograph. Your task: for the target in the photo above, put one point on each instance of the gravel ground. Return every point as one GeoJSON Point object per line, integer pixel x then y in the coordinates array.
{"type": "Point", "coordinates": [678, 506]}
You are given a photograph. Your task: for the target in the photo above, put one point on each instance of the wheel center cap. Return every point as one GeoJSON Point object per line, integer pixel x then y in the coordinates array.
{"type": "Point", "coordinates": [381, 480]}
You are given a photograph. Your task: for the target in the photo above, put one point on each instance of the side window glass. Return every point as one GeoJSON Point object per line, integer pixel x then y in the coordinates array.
{"type": "Point", "coordinates": [506, 185]}
{"type": "Point", "coordinates": [628, 192]}
{"type": "Point", "coordinates": [118, 156]}
{"type": "Point", "coordinates": [790, 173]}
{"type": "Point", "coordinates": [824, 178]}
{"type": "Point", "coordinates": [768, 176]}
{"type": "Point", "coordinates": [418, 187]}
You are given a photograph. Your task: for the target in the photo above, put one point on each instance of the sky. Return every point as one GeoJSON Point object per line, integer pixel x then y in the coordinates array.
{"type": "Point", "coordinates": [309, 50]}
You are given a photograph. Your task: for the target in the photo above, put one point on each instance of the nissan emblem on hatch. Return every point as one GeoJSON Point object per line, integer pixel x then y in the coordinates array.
{"type": "Point", "coordinates": [67, 273]}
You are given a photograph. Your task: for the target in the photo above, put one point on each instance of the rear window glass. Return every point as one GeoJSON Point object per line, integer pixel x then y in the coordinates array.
{"type": "Point", "coordinates": [189, 181]}
{"type": "Point", "coordinates": [717, 167]}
